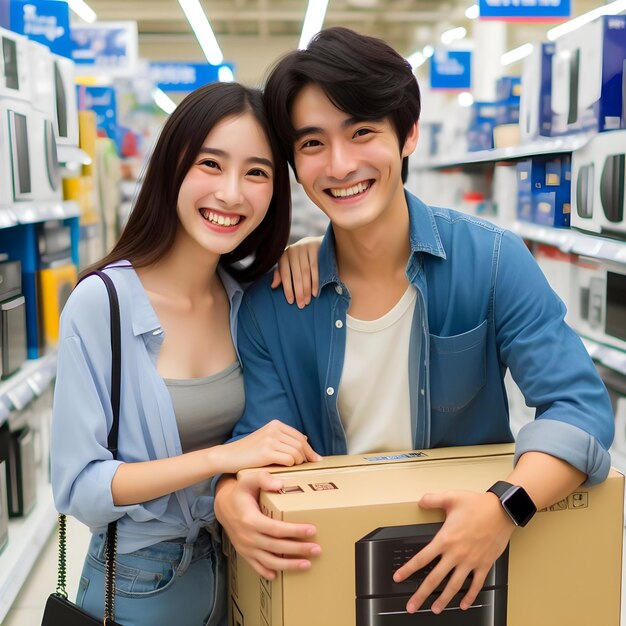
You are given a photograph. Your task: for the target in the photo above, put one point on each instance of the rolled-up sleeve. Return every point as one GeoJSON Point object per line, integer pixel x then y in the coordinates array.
{"type": "Point", "coordinates": [82, 468]}
{"type": "Point", "coordinates": [574, 419]}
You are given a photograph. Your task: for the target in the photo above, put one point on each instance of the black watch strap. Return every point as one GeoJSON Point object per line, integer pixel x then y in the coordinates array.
{"type": "Point", "coordinates": [500, 488]}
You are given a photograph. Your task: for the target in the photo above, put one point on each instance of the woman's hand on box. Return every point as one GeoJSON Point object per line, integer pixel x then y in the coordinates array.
{"type": "Point", "coordinates": [475, 533]}
{"type": "Point", "coordinates": [268, 545]}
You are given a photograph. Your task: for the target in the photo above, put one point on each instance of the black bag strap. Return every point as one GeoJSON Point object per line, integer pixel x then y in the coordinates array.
{"type": "Point", "coordinates": [116, 383]}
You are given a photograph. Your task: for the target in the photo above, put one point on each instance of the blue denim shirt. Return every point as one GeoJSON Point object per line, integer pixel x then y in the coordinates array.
{"type": "Point", "coordinates": [81, 466]}
{"type": "Point", "coordinates": [482, 306]}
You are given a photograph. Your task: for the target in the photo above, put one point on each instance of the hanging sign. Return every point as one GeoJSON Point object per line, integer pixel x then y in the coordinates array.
{"type": "Point", "coordinates": [451, 69]}
{"type": "Point", "coordinates": [188, 76]}
{"type": "Point", "coordinates": [105, 48]}
{"type": "Point", "coordinates": [44, 21]}
{"type": "Point", "coordinates": [525, 10]}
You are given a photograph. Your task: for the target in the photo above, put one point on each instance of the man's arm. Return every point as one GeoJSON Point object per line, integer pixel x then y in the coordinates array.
{"type": "Point", "coordinates": [477, 529]}
{"type": "Point", "coordinates": [564, 446]}
{"type": "Point", "coordinates": [268, 545]}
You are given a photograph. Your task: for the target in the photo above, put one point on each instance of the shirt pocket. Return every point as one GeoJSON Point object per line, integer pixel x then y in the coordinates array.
{"type": "Point", "coordinates": [458, 368]}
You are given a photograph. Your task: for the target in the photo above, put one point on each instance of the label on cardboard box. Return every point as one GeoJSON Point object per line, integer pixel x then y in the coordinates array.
{"type": "Point", "coordinates": [368, 523]}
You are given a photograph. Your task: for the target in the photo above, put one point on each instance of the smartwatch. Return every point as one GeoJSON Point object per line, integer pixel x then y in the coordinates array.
{"type": "Point", "coordinates": [515, 501]}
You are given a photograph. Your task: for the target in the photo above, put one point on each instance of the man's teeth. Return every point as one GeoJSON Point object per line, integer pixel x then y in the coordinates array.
{"type": "Point", "coordinates": [350, 191]}
{"type": "Point", "coordinates": [214, 218]}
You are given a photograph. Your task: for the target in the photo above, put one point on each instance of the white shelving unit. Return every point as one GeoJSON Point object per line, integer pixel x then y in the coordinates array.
{"type": "Point", "coordinates": [27, 535]}
{"type": "Point", "coordinates": [548, 145]}
{"type": "Point", "coordinates": [30, 381]}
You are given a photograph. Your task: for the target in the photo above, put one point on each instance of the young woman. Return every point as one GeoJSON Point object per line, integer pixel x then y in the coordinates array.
{"type": "Point", "coordinates": [215, 193]}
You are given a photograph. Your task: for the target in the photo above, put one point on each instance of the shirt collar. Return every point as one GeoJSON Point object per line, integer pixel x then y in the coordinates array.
{"type": "Point", "coordinates": [424, 237]}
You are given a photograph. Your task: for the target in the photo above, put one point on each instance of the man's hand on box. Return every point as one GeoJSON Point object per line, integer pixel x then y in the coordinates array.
{"type": "Point", "coordinates": [268, 545]}
{"type": "Point", "coordinates": [475, 533]}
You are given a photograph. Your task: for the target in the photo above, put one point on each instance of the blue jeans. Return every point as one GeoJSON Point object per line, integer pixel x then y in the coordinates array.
{"type": "Point", "coordinates": [151, 587]}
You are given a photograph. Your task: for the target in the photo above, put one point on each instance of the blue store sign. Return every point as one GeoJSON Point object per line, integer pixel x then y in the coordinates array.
{"type": "Point", "coordinates": [44, 21]}
{"type": "Point", "coordinates": [103, 102]}
{"type": "Point", "coordinates": [105, 48]}
{"type": "Point", "coordinates": [521, 10]}
{"type": "Point", "coordinates": [451, 69]}
{"type": "Point", "coordinates": [188, 76]}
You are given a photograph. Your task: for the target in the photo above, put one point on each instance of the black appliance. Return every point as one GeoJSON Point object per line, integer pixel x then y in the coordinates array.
{"type": "Point", "coordinates": [615, 324]}
{"type": "Point", "coordinates": [574, 74]}
{"type": "Point", "coordinates": [12, 319]}
{"type": "Point", "coordinates": [584, 191]}
{"type": "Point", "coordinates": [54, 242]}
{"type": "Point", "coordinates": [4, 508]}
{"type": "Point", "coordinates": [612, 188]}
{"type": "Point", "coordinates": [17, 449]}
{"type": "Point", "coordinates": [382, 602]}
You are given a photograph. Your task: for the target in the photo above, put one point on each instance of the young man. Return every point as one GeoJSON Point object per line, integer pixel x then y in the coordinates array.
{"type": "Point", "coordinates": [420, 312]}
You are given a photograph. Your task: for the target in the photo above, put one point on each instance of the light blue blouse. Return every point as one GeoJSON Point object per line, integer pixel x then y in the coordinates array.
{"type": "Point", "coordinates": [81, 466]}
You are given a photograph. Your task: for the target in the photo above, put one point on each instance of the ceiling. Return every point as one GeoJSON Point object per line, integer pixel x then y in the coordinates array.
{"type": "Point", "coordinates": [254, 33]}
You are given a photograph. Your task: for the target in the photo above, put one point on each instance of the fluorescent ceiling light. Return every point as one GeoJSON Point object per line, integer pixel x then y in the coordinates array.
{"type": "Point", "coordinates": [453, 34]}
{"type": "Point", "coordinates": [428, 51]}
{"type": "Point", "coordinates": [163, 100]}
{"type": "Point", "coordinates": [225, 74]}
{"type": "Point", "coordinates": [202, 30]}
{"type": "Point", "coordinates": [83, 10]}
{"type": "Point", "coordinates": [516, 54]}
{"type": "Point", "coordinates": [608, 9]}
{"type": "Point", "coordinates": [465, 99]}
{"type": "Point", "coordinates": [416, 59]}
{"type": "Point", "coordinates": [472, 12]}
{"type": "Point", "coordinates": [313, 21]}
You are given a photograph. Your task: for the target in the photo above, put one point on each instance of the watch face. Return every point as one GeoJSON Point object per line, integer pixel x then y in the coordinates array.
{"type": "Point", "coordinates": [519, 505]}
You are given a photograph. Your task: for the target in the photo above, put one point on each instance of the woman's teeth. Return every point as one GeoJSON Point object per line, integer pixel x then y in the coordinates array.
{"type": "Point", "coordinates": [220, 220]}
{"type": "Point", "coordinates": [350, 191]}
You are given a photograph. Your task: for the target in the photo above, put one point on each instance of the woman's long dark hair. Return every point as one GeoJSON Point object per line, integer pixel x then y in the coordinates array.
{"type": "Point", "coordinates": [151, 228]}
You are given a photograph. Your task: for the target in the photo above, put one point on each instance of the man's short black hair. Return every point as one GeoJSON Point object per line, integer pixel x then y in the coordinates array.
{"type": "Point", "coordinates": [361, 75]}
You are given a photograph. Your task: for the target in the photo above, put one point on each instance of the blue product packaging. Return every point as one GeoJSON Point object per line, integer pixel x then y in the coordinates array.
{"type": "Point", "coordinates": [525, 184]}
{"type": "Point", "coordinates": [552, 199]}
{"type": "Point", "coordinates": [480, 130]}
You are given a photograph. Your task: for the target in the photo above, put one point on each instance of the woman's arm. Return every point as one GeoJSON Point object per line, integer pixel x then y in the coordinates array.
{"type": "Point", "coordinates": [297, 271]}
{"type": "Point", "coordinates": [273, 444]}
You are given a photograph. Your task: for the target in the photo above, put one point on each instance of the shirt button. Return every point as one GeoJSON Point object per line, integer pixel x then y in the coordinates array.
{"type": "Point", "coordinates": [158, 331]}
{"type": "Point", "coordinates": [330, 391]}
{"type": "Point", "coordinates": [339, 289]}
{"type": "Point", "coordinates": [422, 391]}
{"type": "Point", "coordinates": [339, 324]}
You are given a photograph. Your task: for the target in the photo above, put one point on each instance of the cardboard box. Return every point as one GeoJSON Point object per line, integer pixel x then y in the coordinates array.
{"type": "Point", "coordinates": [536, 97]}
{"type": "Point", "coordinates": [563, 568]}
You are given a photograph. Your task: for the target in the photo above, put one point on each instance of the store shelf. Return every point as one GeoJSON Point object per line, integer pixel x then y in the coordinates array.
{"type": "Point", "coordinates": [7, 217]}
{"type": "Point", "coordinates": [573, 241]}
{"type": "Point", "coordinates": [547, 146]}
{"type": "Point", "coordinates": [27, 537]}
{"type": "Point", "coordinates": [29, 382]}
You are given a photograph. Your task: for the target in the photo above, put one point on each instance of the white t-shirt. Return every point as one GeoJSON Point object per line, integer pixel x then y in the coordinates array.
{"type": "Point", "coordinates": [373, 399]}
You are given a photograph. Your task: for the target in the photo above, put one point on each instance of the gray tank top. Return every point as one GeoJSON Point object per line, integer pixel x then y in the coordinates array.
{"type": "Point", "coordinates": [207, 408]}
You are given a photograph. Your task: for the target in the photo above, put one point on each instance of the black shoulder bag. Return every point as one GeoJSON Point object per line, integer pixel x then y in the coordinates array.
{"type": "Point", "coordinates": [59, 610]}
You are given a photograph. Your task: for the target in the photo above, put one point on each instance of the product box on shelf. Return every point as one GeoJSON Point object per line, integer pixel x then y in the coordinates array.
{"type": "Point", "coordinates": [480, 130]}
{"type": "Point", "coordinates": [587, 70]}
{"type": "Point", "coordinates": [508, 90]}
{"type": "Point", "coordinates": [536, 97]}
{"type": "Point", "coordinates": [599, 302]}
{"type": "Point", "coordinates": [368, 524]}
{"type": "Point", "coordinates": [598, 172]}
{"type": "Point", "coordinates": [529, 174]}
{"type": "Point", "coordinates": [552, 200]}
